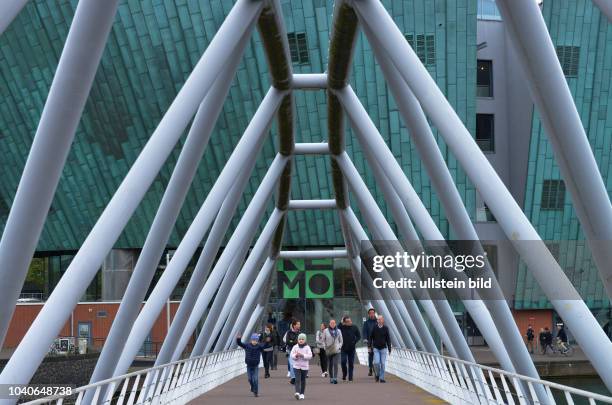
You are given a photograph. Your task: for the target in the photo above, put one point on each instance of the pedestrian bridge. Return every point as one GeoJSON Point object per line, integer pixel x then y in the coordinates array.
{"type": "Point", "coordinates": [414, 377]}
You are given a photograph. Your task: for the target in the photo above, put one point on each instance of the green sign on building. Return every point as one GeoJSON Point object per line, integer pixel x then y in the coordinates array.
{"type": "Point", "coordinates": [299, 278]}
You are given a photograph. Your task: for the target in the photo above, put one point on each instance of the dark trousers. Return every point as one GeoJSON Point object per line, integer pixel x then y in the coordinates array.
{"type": "Point", "coordinates": [323, 360]}
{"type": "Point", "coordinates": [347, 361]}
{"type": "Point", "coordinates": [332, 364]}
{"type": "Point", "coordinates": [300, 380]}
{"type": "Point", "coordinates": [253, 376]}
{"type": "Point", "coordinates": [370, 359]}
{"type": "Point", "coordinates": [267, 361]}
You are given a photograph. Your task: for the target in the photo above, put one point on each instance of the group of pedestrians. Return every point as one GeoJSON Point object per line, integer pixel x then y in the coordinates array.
{"type": "Point", "coordinates": [333, 344]}
{"type": "Point", "coordinates": [547, 340]}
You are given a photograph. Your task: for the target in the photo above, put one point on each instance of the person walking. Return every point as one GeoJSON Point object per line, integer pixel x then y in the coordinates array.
{"type": "Point", "coordinates": [332, 340]}
{"type": "Point", "coordinates": [368, 326]}
{"type": "Point", "coordinates": [252, 355]}
{"type": "Point", "coordinates": [290, 340]}
{"type": "Point", "coordinates": [276, 342]}
{"type": "Point", "coordinates": [321, 349]}
{"type": "Point", "coordinates": [542, 340]}
{"type": "Point", "coordinates": [380, 341]}
{"type": "Point", "coordinates": [350, 337]}
{"type": "Point", "coordinates": [562, 338]}
{"type": "Point", "coordinates": [266, 355]}
{"type": "Point", "coordinates": [300, 357]}
{"type": "Point", "coordinates": [530, 334]}
{"type": "Point", "coordinates": [548, 340]}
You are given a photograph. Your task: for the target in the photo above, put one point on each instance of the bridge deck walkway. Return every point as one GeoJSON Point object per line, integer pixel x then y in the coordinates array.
{"type": "Point", "coordinates": [277, 390]}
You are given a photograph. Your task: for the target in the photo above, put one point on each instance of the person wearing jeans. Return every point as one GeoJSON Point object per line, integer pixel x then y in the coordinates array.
{"type": "Point", "coordinates": [368, 325]}
{"type": "Point", "coordinates": [290, 340]}
{"type": "Point", "coordinates": [252, 354]}
{"type": "Point", "coordinates": [380, 342]}
{"type": "Point", "coordinates": [350, 337]}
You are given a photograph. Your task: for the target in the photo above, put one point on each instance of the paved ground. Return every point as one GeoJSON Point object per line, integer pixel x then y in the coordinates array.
{"type": "Point", "coordinates": [277, 390]}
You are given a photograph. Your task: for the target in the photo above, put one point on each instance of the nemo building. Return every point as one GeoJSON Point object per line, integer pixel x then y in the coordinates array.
{"type": "Point", "coordinates": [152, 48]}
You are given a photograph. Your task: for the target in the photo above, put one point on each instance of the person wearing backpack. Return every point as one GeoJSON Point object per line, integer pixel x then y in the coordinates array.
{"type": "Point", "coordinates": [332, 340]}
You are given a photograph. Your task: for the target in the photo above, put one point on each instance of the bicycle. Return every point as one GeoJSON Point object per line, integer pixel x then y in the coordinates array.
{"type": "Point", "coordinates": [563, 348]}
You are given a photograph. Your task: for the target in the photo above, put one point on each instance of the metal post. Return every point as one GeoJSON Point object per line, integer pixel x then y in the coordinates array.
{"type": "Point", "coordinates": [447, 192]}
{"type": "Point", "coordinates": [312, 254]}
{"type": "Point", "coordinates": [377, 223]}
{"type": "Point", "coordinates": [236, 280]}
{"type": "Point", "coordinates": [312, 204]}
{"type": "Point", "coordinates": [310, 81]}
{"type": "Point", "coordinates": [60, 116]}
{"type": "Point", "coordinates": [266, 270]}
{"type": "Point", "coordinates": [394, 301]}
{"type": "Point", "coordinates": [169, 208]}
{"type": "Point", "coordinates": [509, 215]}
{"type": "Point", "coordinates": [527, 30]}
{"type": "Point", "coordinates": [183, 254]}
{"type": "Point", "coordinates": [10, 10]}
{"type": "Point", "coordinates": [85, 264]}
{"type": "Point", "coordinates": [321, 148]}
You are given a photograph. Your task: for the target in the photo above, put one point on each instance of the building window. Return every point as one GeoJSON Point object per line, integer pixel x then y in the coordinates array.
{"type": "Point", "coordinates": [484, 214]}
{"type": "Point", "coordinates": [424, 46]}
{"type": "Point", "coordinates": [484, 78]}
{"type": "Point", "coordinates": [485, 132]}
{"type": "Point", "coordinates": [569, 57]}
{"type": "Point", "coordinates": [553, 195]}
{"type": "Point", "coordinates": [298, 47]}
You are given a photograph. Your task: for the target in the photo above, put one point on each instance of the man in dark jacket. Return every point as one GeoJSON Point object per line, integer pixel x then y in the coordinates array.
{"type": "Point", "coordinates": [252, 355]}
{"type": "Point", "coordinates": [290, 339]}
{"type": "Point", "coordinates": [368, 325]}
{"type": "Point", "coordinates": [350, 337]}
{"type": "Point", "coordinates": [380, 341]}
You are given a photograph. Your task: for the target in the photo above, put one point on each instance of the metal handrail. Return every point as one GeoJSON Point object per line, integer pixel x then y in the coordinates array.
{"type": "Point", "coordinates": [161, 381]}
{"type": "Point", "coordinates": [452, 385]}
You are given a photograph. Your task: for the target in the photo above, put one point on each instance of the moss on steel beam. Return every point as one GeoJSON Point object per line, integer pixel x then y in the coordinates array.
{"type": "Point", "coordinates": [341, 45]}
{"type": "Point", "coordinates": [285, 126]}
{"type": "Point", "coordinates": [284, 188]}
{"type": "Point", "coordinates": [339, 185]}
{"type": "Point", "coordinates": [277, 239]}
{"type": "Point", "coordinates": [274, 41]}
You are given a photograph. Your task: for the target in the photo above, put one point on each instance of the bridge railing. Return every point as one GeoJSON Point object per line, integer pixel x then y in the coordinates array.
{"type": "Point", "coordinates": [451, 379]}
{"type": "Point", "coordinates": [172, 383]}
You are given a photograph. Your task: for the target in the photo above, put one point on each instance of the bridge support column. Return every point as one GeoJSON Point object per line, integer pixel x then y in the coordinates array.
{"type": "Point", "coordinates": [58, 123]}
{"type": "Point", "coordinates": [250, 141]}
{"type": "Point", "coordinates": [167, 213]}
{"type": "Point", "coordinates": [517, 227]}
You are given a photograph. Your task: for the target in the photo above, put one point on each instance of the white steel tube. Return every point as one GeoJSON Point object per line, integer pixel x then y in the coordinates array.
{"type": "Point", "coordinates": [310, 81]}
{"type": "Point", "coordinates": [312, 204]}
{"type": "Point", "coordinates": [73, 78]}
{"type": "Point", "coordinates": [313, 254]}
{"type": "Point", "coordinates": [509, 215]}
{"type": "Point", "coordinates": [312, 148]}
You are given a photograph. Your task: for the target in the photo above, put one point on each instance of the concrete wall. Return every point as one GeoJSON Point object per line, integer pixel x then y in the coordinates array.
{"type": "Point", "coordinates": [512, 108]}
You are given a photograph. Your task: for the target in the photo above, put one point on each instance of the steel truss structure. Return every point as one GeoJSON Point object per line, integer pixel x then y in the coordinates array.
{"type": "Point", "coordinates": [237, 285]}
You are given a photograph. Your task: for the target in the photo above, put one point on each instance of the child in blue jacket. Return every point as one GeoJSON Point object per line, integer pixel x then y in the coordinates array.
{"type": "Point", "coordinates": [252, 355]}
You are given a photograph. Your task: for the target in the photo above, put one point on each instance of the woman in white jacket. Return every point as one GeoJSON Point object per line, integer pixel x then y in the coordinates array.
{"type": "Point", "coordinates": [321, 349]}
{"type": "Point", "coordinates": [332, 341]}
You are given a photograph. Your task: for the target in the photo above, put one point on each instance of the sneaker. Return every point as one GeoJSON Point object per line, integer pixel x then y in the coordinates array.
{"type": "Point", "coordinates": [350, 380]}
{"type": "Point", "coordinates": [324, 375]}
{"type": "Point", "coordinates": [292, 381]}
{"type": "Point", "coordinates": [288, 374]}
{"type": "Point", "coordinates": [376, 378]}
{"type": "Point", "coordinates": [256, 394]}
{"type": "Point", "coordinates": [382, 381]}
{"type": "Point", "coordinates": [343, 378]}
{"type": "Point", "coordinates": [335, 381]}
{"type": "Point", "coordinates": [301, 396]}
{"type": "Point", "coordinates": [297, 395]}
{"type": "Point", "coordinates": [370, 373]}
{"type": "Point", "coordinates": [267, 376]}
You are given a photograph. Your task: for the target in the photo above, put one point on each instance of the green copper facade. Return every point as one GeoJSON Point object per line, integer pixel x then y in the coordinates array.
{"type": "Point", "coordinates": [151, 50]}
{"type": "Point", "coordinates": [588, 70]}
